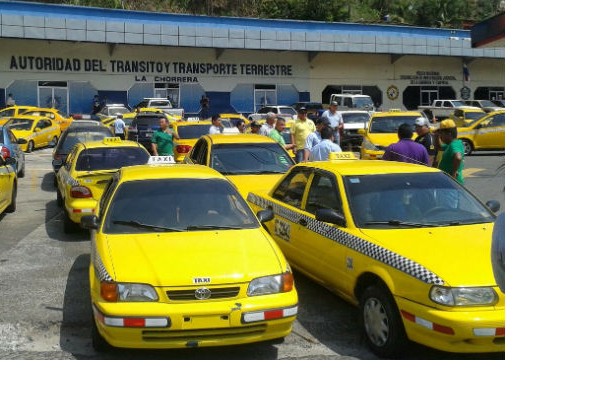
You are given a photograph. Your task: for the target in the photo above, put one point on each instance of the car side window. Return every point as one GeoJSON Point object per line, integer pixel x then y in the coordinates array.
{"type": "Point", "coordinates": [291, 190]}
{"type": "Point", "coordinates": [112, 185]}
{"type": "Point", "coordinates": [323, 193]}
{"type": "Point", "coordinates": [202, 153]}
{"type": "Point", "coordinates": [12, 137]}
{"type": "Point", "coordinates": [69, 159]}
{"type": "Point", "coordinates": [498, 120]}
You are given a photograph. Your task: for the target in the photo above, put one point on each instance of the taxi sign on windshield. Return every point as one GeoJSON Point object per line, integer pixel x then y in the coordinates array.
{"type": "Point", "coordinates": [111, 139]}
{"type": "Point", "coordinates": [161, 160]}
{"type": "Point", "coordinates": [342, 155]}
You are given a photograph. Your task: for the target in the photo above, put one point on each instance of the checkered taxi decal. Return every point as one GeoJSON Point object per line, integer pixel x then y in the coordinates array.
{"type": "Point", "coordinates": [353, 242]}
{"type": "Point", "coordinates": [100, 269]}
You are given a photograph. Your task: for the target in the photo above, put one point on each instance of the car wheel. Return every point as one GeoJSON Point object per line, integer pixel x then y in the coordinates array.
{"type": "Point", "coordinates": [68, 225]}
{"type": "Point", "coordinates": [59, 200]}
{"type": "Point", "coordinates": [468, 147]}
{"type": "Point", "coordinates": [381, 322]}
{"type": "Point", "coordinates": [12, 207]}
{"type": "Point", "coordinates": [30, 146]}
{"type": "Point", "coordinates": [98, 342]}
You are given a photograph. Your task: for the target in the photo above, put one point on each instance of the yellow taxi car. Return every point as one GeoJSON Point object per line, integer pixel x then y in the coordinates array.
{"type": "Point", "coordinates": [405, 242]}
{"type": "Point", "coordinates": [87, 169]}
{"type": "Point", "coordinates": [250, 162]}
{"type": "Point", "coordinates": [383, 131]}
{"type": "Point", "coordinates": [13, 111]}
{"type": "Point", "coordinates": [54, 115]}
{"type": "Point", "coordinates": [486, 133]}
{"type": "Point", "coordinates": [189, 132]}
{"type": "Point", "coordinates": [170, 117]}
{"type": "Point", "coordinates": [180, 261]}
{"type": "Point", "coordinates": [466, 115]}
{"type": "Point", "coordinates": [35, 130]}
{"type": "Point", "coordinates": [8, 185]}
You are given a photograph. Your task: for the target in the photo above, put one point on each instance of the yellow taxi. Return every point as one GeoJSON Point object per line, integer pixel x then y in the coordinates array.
{"type": "Point", "coordinates": [251, 162]}
{"type": "Point", "coordinates": [189, 132]}
{"type": "Point", "coordinates": [486, 133]}
{"type": "Point", "coordinates": [382, 131]}
{"type": "Point", "coordinates": [13, 111]}
{"type": "Point", "coordinates": [466, 115]}
{"type": "Point", "coordinates": [54, 115]}
{"type": "Point", "coordinates": [170, 117]}
{"type": "Point", "coordinates": [404, 242]}
{"type": "Point", "coordinates": [8, 185]}
{"type": "Point", "coordinates": [234, 118]}
{"type": "Point", "coordinates": [86, 171]}
{"type": "Point", "coordinates": [37, 131]}
{"type": "Point", "coordinates": [180, 261]}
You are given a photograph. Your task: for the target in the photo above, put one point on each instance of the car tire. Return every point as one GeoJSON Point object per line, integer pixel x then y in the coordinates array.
{"type": "Point", "coordinates": [468, 146]}
{"type": "Point", "coordinates": [98, 342]}
{"type": "Point", "coordinates": [30, 146]}
{"type": "Point", "coordinates": [381, 322]}
{"type": "Point", "coordinates": [12, 207]}
{"type": "Point", "coordinates": [68, 225]}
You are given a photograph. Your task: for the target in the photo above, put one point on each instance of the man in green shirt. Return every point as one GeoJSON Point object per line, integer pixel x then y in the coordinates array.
{"type": "Point", "coordinates": [162, 140]}
{"type": "Point", "coordinates": [452, 160]}
{"type": "Point", "coordinates": [276, 135]}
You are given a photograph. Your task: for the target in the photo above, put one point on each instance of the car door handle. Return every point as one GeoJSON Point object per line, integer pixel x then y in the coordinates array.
{"type": "Point", "coordinates": [302, 222]}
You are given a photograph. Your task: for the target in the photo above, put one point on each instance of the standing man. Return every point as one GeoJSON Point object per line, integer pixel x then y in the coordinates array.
{"type": "Point", "coordinates": [10, 101]}
{"type": "Point", "coordinates": [162, 139]}
{"type": "Point", "coordinates": [426, 138]}
{"type": "Point", "coordinates": [314, 138]}
{"type": "Point", "coordinates": [204, 106]}
{"type": "Point", "coordinates": [276, 135]}
{"type": "Point", "coordinates": [269, 124]}
{"type": "Point", "coordinates": [254, 127]}
{"type": "Point", "coordinates": [119, 126]}
{"type": "Point", "coordinates": [454, 152]}
{"type": "Point", "coordinates": [96, 106]}
{"type": "Point", "coordinates": [300, 130]}
{"type": "Point", "coordinates": [216, 126]}
{"type": "Point", "coordinates": [321, 151]}
{"type": "Point", "coordinates": [336, 122]}
{"type": "Point", "coordinates": [405, 150]}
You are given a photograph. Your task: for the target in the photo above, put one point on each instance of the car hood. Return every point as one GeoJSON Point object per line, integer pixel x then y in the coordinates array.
{"type": "Point", "coordinates": [460, 255]}
{"type": "Point", "coordinates": [176, 259]}
{"type": "Point", "coordinates": [254, 183]}
{"type": "Point", "coordinates": [383, 139]}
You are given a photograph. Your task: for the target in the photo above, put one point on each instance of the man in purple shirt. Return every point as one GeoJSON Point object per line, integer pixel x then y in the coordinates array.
{"type": "Point", "coordinates": [405, 150]}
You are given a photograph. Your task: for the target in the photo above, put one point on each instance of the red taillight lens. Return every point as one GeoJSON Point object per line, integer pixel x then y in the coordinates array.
{"type": "Point", "coordinates": [183, 148]}
{"type": "Point", "coordinates": [5, 152]}
{"type": "Point", "coordinates": [80, 192]}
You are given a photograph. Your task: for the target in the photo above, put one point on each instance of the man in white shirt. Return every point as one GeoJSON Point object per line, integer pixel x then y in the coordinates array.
{"type": "Point", "coordinates": [269, 124]}
{"type": "Point", "coordinates": [336, 122]}
{"type": "Point", "coordinates": [10, 101]}
{"type": "Point", "coordinates": [216, 126]}
{"type": "Point", "coordinates": [119, 126]}
{"type": "Point", "coordinates": [314, 138]}
{"type": "Point", "coordinates": [321, 151]}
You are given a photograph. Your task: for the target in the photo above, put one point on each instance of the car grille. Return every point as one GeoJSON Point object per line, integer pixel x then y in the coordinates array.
{"type": "Point", "coordinates": [215, 293]}
{"type": "Point", "coordinates": [204, 334]}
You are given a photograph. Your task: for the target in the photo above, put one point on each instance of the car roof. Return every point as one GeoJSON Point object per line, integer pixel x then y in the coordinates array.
{"type": "Point", "coordinates": [86, 128]}
{"type": "Point", "coordinates": [31, 117]}
{"type": "Point", "coordinates": [19, 107]}
{"type": "Point", "coordinates": [53, 110]}
{"type": "Point", "coordinates": [189, 123]}
{"type": "Point", "coordinates": [100, 144]}
{"type": "Point", "coordinates": [380, 114]}
{"type": "Point", "coordinates": [166, 171]}
{"type": "Point", "coordinates": [241, 138]}
{"type": "Point", "coordinates": [367, 167]}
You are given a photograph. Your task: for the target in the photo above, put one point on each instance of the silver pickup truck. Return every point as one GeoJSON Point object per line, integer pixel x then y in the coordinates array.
{"type": "Point", "coordinates": [441, 109]}
{"type": "Point", "coordinates": [161, 103]}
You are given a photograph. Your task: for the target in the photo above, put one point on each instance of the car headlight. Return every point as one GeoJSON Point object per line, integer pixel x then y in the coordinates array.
{"type": "Point", "coordinates": [133, 292]}
{"type": "Point", "coordinates": [271, 284]}
{"type": "Point", "coordinates": [463, 296]}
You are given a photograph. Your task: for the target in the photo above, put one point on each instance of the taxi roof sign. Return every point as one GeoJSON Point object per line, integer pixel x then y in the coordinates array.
{"type": "Point", "coordinates": [161, 160]}
{"type": "Point", "coordinates": [111, 139]}
{"type": "Point", "coordinates": [342, 155]}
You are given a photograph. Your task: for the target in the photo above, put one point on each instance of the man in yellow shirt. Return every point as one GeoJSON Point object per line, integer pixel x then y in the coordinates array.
{"type": "Point", "coordinates": [302, 127]}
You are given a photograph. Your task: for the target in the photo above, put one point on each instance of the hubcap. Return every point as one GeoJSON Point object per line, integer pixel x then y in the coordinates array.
{"type": "Point", "coordinates": [376, 322]}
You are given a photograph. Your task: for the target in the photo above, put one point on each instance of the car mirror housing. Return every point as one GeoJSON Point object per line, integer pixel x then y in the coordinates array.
{"type": "Point", "coordinates": [362, 131]}
{"type": "Point", "coordinates": [265, 215]}
{"type": "Point", "coordinates": [493, 205]}
{"type": "Point", "coordinates": [331, 216]}
{"type": "Point", "coordinates": [21, 141]}
{"type": "Point", "coordinates": [90, 222]}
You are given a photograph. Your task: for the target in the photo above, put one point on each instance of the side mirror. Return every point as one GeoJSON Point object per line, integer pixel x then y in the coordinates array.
{"type": "Point", "coordinates": [493, 205]}
{"type": "Point", "coordinates": [265, 215]}
{"type": "Point", "coordinates": [362, 132]}
{"type": "Point", "coordinates": [90, 222]}
{"type": "Point", "coordinates": [10, 161]}
{"type": "Point", "coordinates": [21, 141]}
{"type": "Point", "coordinates": [331, 216]}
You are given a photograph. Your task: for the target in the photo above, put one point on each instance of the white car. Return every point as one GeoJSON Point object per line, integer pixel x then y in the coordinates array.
{"type": "Point", "coordinates": [353, 121]}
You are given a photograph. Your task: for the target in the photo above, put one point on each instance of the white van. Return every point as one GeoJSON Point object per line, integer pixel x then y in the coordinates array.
{"type": "Point", "coordinates": [353, 102]}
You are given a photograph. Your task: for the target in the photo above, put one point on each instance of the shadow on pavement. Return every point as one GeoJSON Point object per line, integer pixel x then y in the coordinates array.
{"type": "Point", "coordinates": [47, 184]}
{"type": "Point", "coordinates": [54, 225]}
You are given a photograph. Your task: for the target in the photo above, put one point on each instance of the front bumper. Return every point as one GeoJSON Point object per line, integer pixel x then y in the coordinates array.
{"type": "Point", "coordinates": [471, 329]}
{"type": "Point", "coordinates": [199, 324]}
{"type": "Point", "coordinates": [371, 154]}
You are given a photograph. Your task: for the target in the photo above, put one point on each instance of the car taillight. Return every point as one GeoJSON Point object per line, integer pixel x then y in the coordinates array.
{"type": "Point", "coordinates": [80, 192]}
{"type": "Point", "coordinates": [5, 151]}
{"type": "Point", "coordinates": [57, 156]}
{"type": "Point", "coordinates": [183, 148]}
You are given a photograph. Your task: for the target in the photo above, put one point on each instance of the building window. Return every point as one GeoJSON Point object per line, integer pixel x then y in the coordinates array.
{"type": "Point", "coordinates": [489, 93]}
{"type": "Point", "coordinates": [264, 95]}
{"type": "Point", "coordinates": [54, 94]}
{"type": "Point", "coordinates": [415, 96]}
{"type": "Point", "coordinates": [168, 90]}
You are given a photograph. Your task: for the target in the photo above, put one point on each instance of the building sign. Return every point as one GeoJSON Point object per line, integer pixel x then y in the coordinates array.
{"type": "Point", "coordinates": [48, 64]}
{"type": "Point", "coordinates": [465, 93]}
{"type": "Point", "coordinates": [428, 78]}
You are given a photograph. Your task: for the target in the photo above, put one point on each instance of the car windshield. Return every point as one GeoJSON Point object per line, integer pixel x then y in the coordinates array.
{"type": "Point", "coordinates": [20, 124]}
{"type": "Point", "coordinates": [7, 113]}
{"type": "Point", "coordinates": [167, 205]}
{"type": "Point", "coordinates": [392, 201]}
{"type": "Point", "coordinates": [391, 124]}
{"type": "Point", "coordinates": [71, 138]}
{"type": "Point", "coordinates": [363, 102]}
{"type": "Point", "coordinates": [287, 110]}
{"type": "Point", "coordinates": [250, 158]}
{"type": "Point", "coordinates": [192, 131]}
{"type": "Point", "coordinates": [354, 118]}
{"type": "Point", "coordinates": [486, 103]}
{"type": "Point", "coordinates": [118, 110]}
{"type": "Point", "coordinates": [110, 158]}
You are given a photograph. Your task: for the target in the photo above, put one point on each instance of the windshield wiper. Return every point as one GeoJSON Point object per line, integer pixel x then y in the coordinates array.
{"type": "Point", "coordinates": [210, 227]}
{"type": "Point", "coordinates": [395, 222]}
{"type": "Point", "coordinates": [138, 224]}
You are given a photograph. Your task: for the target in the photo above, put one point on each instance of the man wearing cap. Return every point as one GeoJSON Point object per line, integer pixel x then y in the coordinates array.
{"type": "Point", "coordinates": [254, 127]}
{"type": "Point", "coordinates": [452, 159]}
{"type": "Point", "coordinates": [315, 137]}
{"type": "Point", "coordinates": [336, 122]}
{"type": "Point", "coordinates": [269, 124]}
{"type": "Point", "coordinates": [425, 138]}
{"type": "Point", "coordinates": [300, 130]}
{"type": "Point", "coordinates": [405, 150]}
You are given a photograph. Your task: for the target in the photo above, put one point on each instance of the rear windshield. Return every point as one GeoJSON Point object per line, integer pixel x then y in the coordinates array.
{"type": "Point", "coordinates": [250, 158]}
{"type": "Point", "coordinates": [192, 131]}
{"type": "Point", "coordinates": [390, 124]}
{"type": "Point", "coordinates": [147, 122]}
{"type": "Point", "coordinates": [20, 124]}
{"type": "Point", "coordinates": [71, 138]}
{"type": "Point", "coordinates": [155, 103]}
{"type": "Point", "coordinates": [110, 158]}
